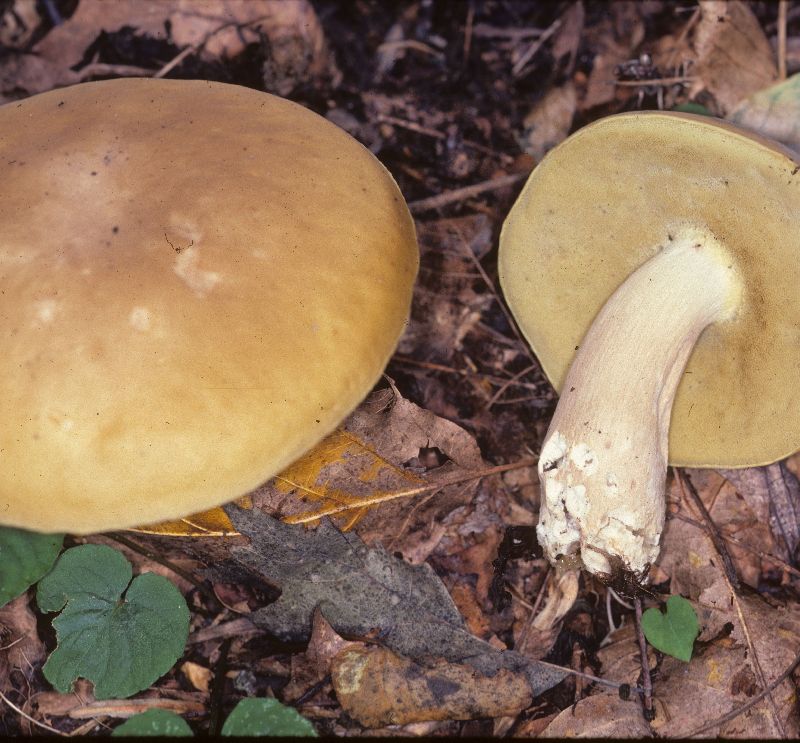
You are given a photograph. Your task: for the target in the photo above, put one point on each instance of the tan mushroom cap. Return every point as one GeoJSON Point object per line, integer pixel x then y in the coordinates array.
{"type": "Point", "coordinates": [198, 282]}
{"type": "Point", "coordinates": [604, 201]}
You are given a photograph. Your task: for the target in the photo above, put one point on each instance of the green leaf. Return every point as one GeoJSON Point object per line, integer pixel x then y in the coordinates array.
{"type": "Point", "coordinates": [24, 558]}
{"type": "Point", "coordinates": [255, 716]}
{"type": "Point", "coordinates": [121, 640]}
{"type": "Point", "coordinates": [155, 722]}
{"type": "Point", "coordinates": [672, 632]}
{"type": "Point", "coordinates": [690, 107]}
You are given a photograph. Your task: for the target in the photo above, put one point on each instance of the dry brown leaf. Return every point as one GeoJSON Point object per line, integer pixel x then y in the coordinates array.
{"type": "Point", "coordinates": [688, 555]}
{"type": "Point", "coordinates": [732, 56]}
{"type": "Point", "coordinates": [21, 650]}
{"type": "Point", "coordinates": [568, 37]}
{"type": "Point", "coordinates": [54, 704]}
{"type": "Point", "coordinates": [549, 121]}
{"type": "Point", "coordinates": [616, 39]}
{"type": "Point", "coordinates": [379, 688]}
{"type": "Point", "coordinates": [719, 677]}
{"type": "Point", "coordinates": [298, 51]}
{"type": "Point", "coordinates": [19, 20]}
{"type": "Point", "coordinates": [309, 668]}
{"type": "Point", "coordinates": [198, 676]}
{"type": "Point", "coordinates": [599, 716]}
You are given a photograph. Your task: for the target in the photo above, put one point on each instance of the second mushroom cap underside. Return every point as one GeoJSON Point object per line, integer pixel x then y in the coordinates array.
{"type": "Point", "coordinates": [608, 199]}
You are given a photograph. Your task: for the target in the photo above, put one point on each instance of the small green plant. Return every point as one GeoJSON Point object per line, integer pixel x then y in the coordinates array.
{"type": "Point", "coordinates": [120, 633]}
{"type": "Point", "coordinates": [674, 631]}
{"type": "Point", "coordinates": [154, 722]}
{"type": "Point", "coordinates": [250, 718]}
{"type": "Point", "coordinates": [24, 558]}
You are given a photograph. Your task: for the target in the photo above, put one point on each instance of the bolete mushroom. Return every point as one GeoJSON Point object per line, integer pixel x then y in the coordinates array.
{"type": "Point", "coordinates": [199, 282]}
{"type": "Point", "coordinates": [653, 263]}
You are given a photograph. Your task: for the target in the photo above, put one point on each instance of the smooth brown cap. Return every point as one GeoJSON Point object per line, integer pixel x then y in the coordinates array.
{"type": "Point", "coordinates": [604, 201]}
{"type": "Point", "coordinates": [199, 282]}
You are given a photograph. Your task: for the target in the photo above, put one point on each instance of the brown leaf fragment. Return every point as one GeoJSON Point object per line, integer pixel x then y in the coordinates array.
{"type": "Point", "coordinates": [21, 650]}
{"type": "Point", "coordinates": [219, 29]}
{"type": "Point", "coordinates": [549, 121]}
{"type": "Point", "coordinates": [775, 491]}
{"type": "Point", "coordinates": [732, 56]}
{"type": "Point", "coordinates": [379, 688]}
{"type": "Point", "coordinates": [599, 716]}
{"type": "Point", "coordinates": [198, 676]}
{"type": "Point", "coordinates": [615, 38]}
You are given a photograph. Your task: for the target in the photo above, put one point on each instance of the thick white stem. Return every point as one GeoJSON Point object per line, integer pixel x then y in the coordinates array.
{"type": "Point", "coordinates": [603, 463]}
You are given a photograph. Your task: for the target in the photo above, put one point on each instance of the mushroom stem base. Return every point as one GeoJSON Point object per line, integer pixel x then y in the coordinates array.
{"type": "Point", "coordinates": [603, 463]}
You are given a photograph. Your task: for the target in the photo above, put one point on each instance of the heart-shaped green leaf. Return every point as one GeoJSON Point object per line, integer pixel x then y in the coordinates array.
{"type": "Point", "coordinates": [672, 632]}
{"type": "Point", "coordinates": [121, 640]}
{"type": "Point", "coordinates": [258, 716]}
{"type": "Point", "coordinates": [24, 558]}
{"type": "Point", "coordinates": [154, 722]}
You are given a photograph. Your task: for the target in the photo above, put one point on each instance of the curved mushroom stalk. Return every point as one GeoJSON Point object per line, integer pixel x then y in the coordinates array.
{"type": "Point", "coordinates": [603, 464]}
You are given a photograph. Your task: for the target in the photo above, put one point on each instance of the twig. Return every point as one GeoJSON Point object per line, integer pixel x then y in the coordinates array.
{"type": "Point", "coordinates": [535, 46]}
{"type": "Point", "coordinates": [464, 372]}
{"type": "Point", "coordinates": [468, 192]}
{"type": "Point", "coordinates": [491, 287]}
{"type": "Point", "coordinates": [782, 20]}
{"type": "Point", "coordinates": [234, 628]}
{"type": "Point", "coordinates": [28, 717]}
{"type": "Point", "coordinates": [655, 82]}
{"type": "Point", "coordinates": [408, 492]}
{"type": "Point", "coordinates": [496, 396]}
{"type": "Point", "coordinates": [711, 528]}
{"type": "Point", "coordinates": [526, 630]}
{"type": "Point", "coordinates": [187, 576]}
{"type": "Point", "coordinates": [123, 708]}
{"type": "Point", "coordinates": [647, 682]}
{"type": "Point", "coordinates": [412, 126]}
{"type": "Point", "coordinates": [733, 714]}
{"type": "Point", "coordinates": [218, 690]}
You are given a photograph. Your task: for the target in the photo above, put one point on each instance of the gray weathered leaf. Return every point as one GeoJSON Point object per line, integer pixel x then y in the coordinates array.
{"type": "Point", "coordinates": [364, 592]}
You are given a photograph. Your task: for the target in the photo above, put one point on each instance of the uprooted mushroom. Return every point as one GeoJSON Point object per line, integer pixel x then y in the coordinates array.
{"type": "Point", "coordinates": [652, 261]}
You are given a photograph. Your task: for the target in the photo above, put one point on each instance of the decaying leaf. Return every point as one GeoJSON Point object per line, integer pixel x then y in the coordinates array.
{"type": "Point", "coordinates": [21, 650]}
{"type": "Point", "coordinates": [732, 56]}
{"type": "Point", "coordinates": [599, 716]}
{"type": "Point", "coordinates": [217, 28]}
{"type": "Point", "coordinates": [549, 121]}
{"type": "Point", "coordinates": [773, 112]}
{"type": "Point", "coordinates": [379, 688]}
{"type": "Point", "coordinates": [616, 39]}
{"type": "Point", "coordinates": [362, 593]}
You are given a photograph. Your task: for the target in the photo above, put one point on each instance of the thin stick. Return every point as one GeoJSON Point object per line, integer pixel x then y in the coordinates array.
{"type": "Point", "coordinates": [782, 19]}
{"type": "Point", "coordinates": [711, 528]}
{"type": "Point", "coordinates": [461, 194]}
{"type": "Point", "coordinates": [656, 82]}
{"type": "Point", "coordinates": [28, 717]}
{"type": "Point", "coordinates": [408, 492]}
{"type": "Point", "coordinates": [496, 396]}
{"type": "Point", "coordinates": [647, 682]}
{"type": "Point", "coordinates": [535, 46]}
{"type": "Point", "coordinates": [463, 372]}
{"type": "Point", "coordinates": [187, 576]}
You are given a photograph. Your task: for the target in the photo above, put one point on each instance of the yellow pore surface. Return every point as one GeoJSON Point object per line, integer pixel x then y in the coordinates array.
{"type": "Point", "coordinates": [604, 202]}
